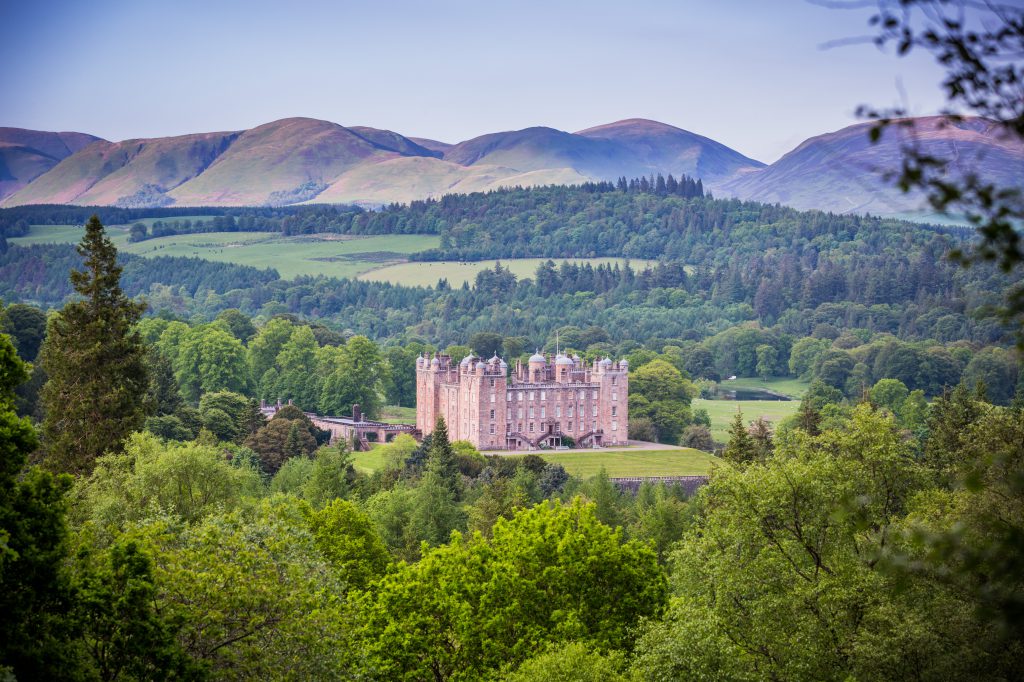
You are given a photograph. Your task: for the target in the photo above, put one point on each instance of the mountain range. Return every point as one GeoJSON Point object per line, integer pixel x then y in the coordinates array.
{"type": "Point", "coordinates": [299, 160]}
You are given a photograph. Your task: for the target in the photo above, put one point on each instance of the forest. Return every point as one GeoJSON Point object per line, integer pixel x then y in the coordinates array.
{"type": "Point", "coordinates": [158, 526]}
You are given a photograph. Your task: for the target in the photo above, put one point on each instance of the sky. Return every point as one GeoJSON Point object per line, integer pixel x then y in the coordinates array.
{"type": "Point", "coordinates": [752, 74]}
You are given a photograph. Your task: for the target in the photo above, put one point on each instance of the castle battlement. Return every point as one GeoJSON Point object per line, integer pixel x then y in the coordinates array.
{"type": "Point", "coordinates": [536, 404]}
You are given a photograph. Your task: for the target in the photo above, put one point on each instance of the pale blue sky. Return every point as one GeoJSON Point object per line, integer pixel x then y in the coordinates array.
{"type": "Point", "coordinates": [748, 73]}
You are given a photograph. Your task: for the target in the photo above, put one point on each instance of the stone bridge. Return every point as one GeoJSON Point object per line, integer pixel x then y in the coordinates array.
{"type": "Point", "coordinates": [357, 430]}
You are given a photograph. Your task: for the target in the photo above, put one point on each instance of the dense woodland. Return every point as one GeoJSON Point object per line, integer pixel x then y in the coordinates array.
{"type": "Point", "coordinates": [157, 526]}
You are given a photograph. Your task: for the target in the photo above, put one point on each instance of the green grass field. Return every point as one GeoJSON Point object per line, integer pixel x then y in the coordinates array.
{"type": "Point", "coordinates": [65, 234]}
{"type": "Point", "coordinates": [398, 415]}
{"type": "Point", "coordinates": [622, 463]}
{"type": "Point", "coordinates": [587, 463]}
{"type": "Point", "coordinates": [323, 254]}
{"type": "Point", "coordinates": [427, 273]}
{"type": "Point", "coordinates": [794, 388]}
{"type": "Point", "coordinates": [722, 412]}
{"type": "Point", "coordinates": [368, 461]}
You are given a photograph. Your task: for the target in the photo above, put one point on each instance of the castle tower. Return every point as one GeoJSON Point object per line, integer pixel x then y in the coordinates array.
{"type": "Point", "coordinates": [612, 379]}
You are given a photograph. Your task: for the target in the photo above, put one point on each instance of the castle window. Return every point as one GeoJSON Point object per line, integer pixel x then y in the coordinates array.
{"type": "Point", "coordinates": [520, 413]}
{"type": "Point", "coordinates": [508, 413]}
{"type": "Point", "coordinates": [531, 411]}
{"type": "Point", "coordinates": [593, 426]}
{"type": "Point", "coordinates": [520, 427]}
{"type": "Point", "coordinates": [593, 395]}
{"type": "Point", "coordinates": [492, 429]}
{"type": "Point", "coordinates": [569, 425]}
{"type": "Point", "coordinates": [492, 383]}
{"type": "Point", "coordinates": [615, 381]}
{"type": "Point", "coordinates": [531, 395]}
{"type": "Point", "coordinates": [594, 411]}
{"type": "Point", "coordinates": [615, 395]}
{"type": "Point", "coordinates": [508, 428]}
{"type": "Point", "coordinates": [614, 409]}
{"type": "Point", "coordinates": [558, 410]}
{"type": "Point", "coordinates": [583, 394]}
{"type": "Point", "coordinates": [615, 426]}
{"type": "Point", "coordinates": [508, 396]}
{"type": "Point", "coordinates": [492, 397]}
{"type": "Point", "coordinates": [570, 410]}
{"type": "Point", "coordinates": [492, 414]}
{"type": "Point", "coordinates": [531, 427]}
{"type": "Point", "coordinates": [543, 395]}
{"type": "Point", "coordinates": [543, 412]}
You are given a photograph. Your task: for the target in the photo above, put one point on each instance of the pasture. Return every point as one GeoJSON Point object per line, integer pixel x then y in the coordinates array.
{"type": "Point", "coordinates": [321, 254]}
{"type": "Point", "coordinates": [788, 386]}
{"type": "Point", "coordinates": [723, 411]}
{"type": "Point", "coordinates": [427, 273]}
{"type": "Point", "coordinates": [585, 463]}
{"type": "Point", "coordinates": [622, 463]}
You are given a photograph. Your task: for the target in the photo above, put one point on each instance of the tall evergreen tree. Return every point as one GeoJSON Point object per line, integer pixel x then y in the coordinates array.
{"type": "Point", "coordinates": [741, 448]}
{"type": "Point", "coordinates": [96, 394]}
{"type": "Point", "coordinates": [441, 460]}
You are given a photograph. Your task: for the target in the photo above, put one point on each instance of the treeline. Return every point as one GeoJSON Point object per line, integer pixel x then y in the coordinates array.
{"type": "Point", "coordinates": [39, 273]}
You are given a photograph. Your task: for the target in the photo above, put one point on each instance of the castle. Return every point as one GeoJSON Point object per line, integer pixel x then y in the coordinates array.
{"type": "Point", "coordinates": [535, 406]}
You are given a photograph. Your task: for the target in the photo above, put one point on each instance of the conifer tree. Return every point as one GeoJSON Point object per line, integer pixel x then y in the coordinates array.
{"type": "Point", "coordinates": [441, 460]}
{"type": "Point", "coordinates": [96, 394]}
{"type": "Point", "coordinates": [741, 448]}
{"type": "Point", "coordinates": [808, 418]}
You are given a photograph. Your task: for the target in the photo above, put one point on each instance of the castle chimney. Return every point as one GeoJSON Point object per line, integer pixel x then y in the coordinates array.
{"type": "Point", "coordinates": [357, 414]}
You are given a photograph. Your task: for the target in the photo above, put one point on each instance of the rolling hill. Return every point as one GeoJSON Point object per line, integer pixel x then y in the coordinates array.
{"type": "Point", "coordinates": [27, 154]}
{"type": "Point", "coordinates": [843, 171]}
{"type": "Point", "coordinates": [304, 160]}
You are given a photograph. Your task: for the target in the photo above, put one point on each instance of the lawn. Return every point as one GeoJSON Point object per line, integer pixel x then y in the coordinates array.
{"type": "Point", "coordinates": [457, 272]}
{"type": "Point", "coordinates": [625, 463]}
{"type": "Point", "coordinates": [368, 461]}
{"type": "Point", "coordinates": [722, 412]}
{"type": "Point", "coordinates": [794, 388]}
{"type": "Point", "coordinates": [586, 463]}
{"type": "Point", "coordinates": [398, 415]}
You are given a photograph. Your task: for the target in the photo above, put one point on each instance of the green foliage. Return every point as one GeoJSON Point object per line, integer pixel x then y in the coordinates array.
{"type": "Point", "coordinates": [278, 441]}
{"type": "Point", "coordinates": [332, 476]}
{"type": "Point", "coordinates": [123, 631]}
{"type": "Point", "coordinates": [255, 598]}
{"type": "Point", "coordinates": [801, 527]}
{"type": "Point", "coordinates": [553, 574]}
{"type": "Point", "coordinates": [293, 476]}
{"type": "Point", "coordinates": [346, 537]}
{"type": "Point", "coordinates": [187, 481]}
{"type": "Point", "coordinates": [572, 662]}
{"type": "Point", "coordinates": [97, 383]}
{"type": "Point", "coordinates": [208, 359]}
{"type": "Point", "coordinates": [34, 591]}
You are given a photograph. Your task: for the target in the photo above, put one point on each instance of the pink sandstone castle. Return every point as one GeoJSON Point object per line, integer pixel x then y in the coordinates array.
{"type": "Point", "coordinates": [536, 406]}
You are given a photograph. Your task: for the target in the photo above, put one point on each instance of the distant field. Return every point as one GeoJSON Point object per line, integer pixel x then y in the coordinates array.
{"type": "Point", "coordinates": [331, 255]}
{"type": "Point", "coordinates": [64, 234]}
{"type": "Point", "coordinates": [723, 411]}
{"type": "Point", "coordinates": [678, 462]}
{"type": "Point", "coordinates": [794, 388]}
{"type": "Point", "coordinates": [457, 272]}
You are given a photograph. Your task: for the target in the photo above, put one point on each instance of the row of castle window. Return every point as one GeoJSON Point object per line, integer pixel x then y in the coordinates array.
{"type": "Point", "coordinates": [510, 396]}
{"type": "Point", "coordinates": [558, 427]}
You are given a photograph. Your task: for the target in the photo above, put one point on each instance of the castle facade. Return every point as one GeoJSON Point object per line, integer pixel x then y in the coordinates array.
{"type": "Point", "coordinates": [536, 405]}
